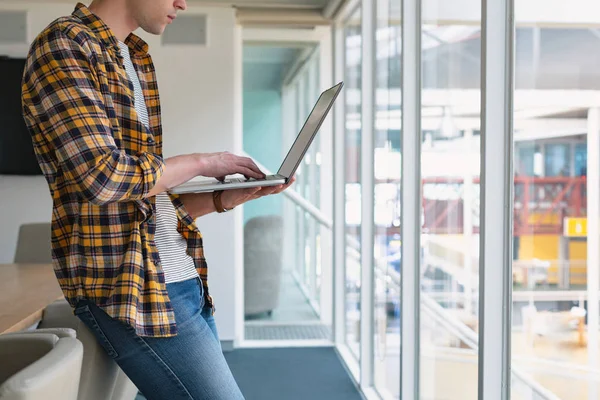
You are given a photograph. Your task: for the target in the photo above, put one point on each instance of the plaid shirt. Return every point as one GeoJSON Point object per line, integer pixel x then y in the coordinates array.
{"type": "Point", "coordinates": [101, 162]}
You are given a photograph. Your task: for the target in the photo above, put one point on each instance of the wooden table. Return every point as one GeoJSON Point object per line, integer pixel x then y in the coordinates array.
{"type": "Point", "coordinates": [25, 290]}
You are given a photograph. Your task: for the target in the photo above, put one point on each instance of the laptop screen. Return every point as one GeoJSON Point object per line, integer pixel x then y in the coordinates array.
{"type": "Point", "coordinates": [308, 131]}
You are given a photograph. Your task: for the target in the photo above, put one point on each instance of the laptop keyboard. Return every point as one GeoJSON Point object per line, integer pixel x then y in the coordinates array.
{"type": "Point", "coordinates": [241, 180]}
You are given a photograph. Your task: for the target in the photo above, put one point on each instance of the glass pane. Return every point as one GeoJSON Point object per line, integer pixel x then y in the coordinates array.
{"type": "Point", "coordinates": [450, 159]}
{"type": "Point", "coordinates": [300, 183]}
{"type": "Point", "coordinates": [352, 93]}
{"type": "Point", "coordinates": [387, 200]}
{"type": "Point", "coordinates": [555, 67]}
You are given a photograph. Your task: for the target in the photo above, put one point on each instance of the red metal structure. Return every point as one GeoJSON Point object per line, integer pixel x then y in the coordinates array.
{"type": "Point", "coordinates": [540, 204]}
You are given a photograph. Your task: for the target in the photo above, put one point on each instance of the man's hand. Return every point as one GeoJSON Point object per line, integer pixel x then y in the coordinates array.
{"type": "Point", "coordinates": [219, 165]}
{"type": "Point", "coordinates": [234, 197]}
{"type": "Point", "coordinates": [180, 169]}
{"type": "Point", "coordinates": [199, 204]}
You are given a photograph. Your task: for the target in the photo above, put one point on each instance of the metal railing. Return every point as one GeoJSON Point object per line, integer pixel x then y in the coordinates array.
{"type": "Point", "coordinates": [442, 316]}
{"type": "Point", "coordinates": [300, 201]}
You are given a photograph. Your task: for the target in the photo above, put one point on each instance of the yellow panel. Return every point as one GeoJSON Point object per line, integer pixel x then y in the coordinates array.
{"type": "Point", "coordinates": [575, 227]}
{"type": "Point", "coordinates": [577, 250]}
{"type": "Point", "coordinates": [543, 247]}
{"type": "Point", "coordinates": [552, 218]}
{"type": "Point", "coordinates": [578, 258]}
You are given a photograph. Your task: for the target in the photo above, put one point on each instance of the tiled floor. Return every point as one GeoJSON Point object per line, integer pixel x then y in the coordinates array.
{"type": "Point", "coordinates": [293, 319]}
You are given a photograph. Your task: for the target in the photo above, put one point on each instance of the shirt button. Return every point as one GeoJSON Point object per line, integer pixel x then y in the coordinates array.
{"type": "Point", "coordinates": [150, 140]}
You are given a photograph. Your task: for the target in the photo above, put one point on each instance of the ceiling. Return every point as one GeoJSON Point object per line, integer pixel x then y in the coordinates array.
{"type": "Point", "coordinates": [265, 67]}
{"type": "Point", "coordinates": [313, 4]}
{"type": "Point", "coordinates": [317, 5]}
{"type": "Point", "coordinates": [279, 13]}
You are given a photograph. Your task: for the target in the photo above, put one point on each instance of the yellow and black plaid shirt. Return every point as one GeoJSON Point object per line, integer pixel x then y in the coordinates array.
{"type": "Point", "coordinates": [101, 162]}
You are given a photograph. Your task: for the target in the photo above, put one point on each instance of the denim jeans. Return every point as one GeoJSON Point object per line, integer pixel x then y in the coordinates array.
{"type": "Point", "coordinates": [188, 366]}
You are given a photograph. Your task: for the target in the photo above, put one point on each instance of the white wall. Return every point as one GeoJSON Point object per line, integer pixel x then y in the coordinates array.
{"type": "Point", "coordinates": [198, 90]}
{"type": "Point", "coordinates": [22, 200]}
{"type": "Point", "coordinates": [25, 199]}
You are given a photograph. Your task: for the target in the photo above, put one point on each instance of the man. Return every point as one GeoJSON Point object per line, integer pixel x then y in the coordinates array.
{"type": "Point", "coordinates": [128, 255]}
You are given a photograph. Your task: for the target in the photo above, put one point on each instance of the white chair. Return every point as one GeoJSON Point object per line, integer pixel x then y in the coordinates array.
{"type": "Point", "coordinates": [263, 264]}
{"type": "Point", "coordinates": [101, 377]}
{"type": "Point", "coordinates": [37, 366]}
{"type": "Point", "coordinates": [33, 244]}
{"type": "Point", "coordinates": [559, 325]}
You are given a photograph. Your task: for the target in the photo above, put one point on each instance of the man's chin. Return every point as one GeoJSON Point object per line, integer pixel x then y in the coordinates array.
{"type": "Point", "coordinates": [155, 30]}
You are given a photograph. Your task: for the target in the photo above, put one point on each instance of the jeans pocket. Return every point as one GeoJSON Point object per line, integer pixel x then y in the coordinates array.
{"type": "Point", "coordinates": [87, 317]}
{"type": "Point", "coordinates": [201, 289]}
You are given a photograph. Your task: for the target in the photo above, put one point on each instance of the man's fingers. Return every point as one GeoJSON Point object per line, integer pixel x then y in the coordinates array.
{"type": "Point", "coordinates": [269, 190]}
{"type": "Point", "coordinates": [251, 165]}
{"type": "Point", "coordinates": [282, 188]}
{"type": "Point", "coordinates": [253, 190]}
{"type": "Point", "coordinates": [250, 173]}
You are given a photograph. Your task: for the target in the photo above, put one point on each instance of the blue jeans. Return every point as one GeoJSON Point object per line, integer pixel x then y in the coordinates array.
{"type": "Point", "coordinates": [188, 366]}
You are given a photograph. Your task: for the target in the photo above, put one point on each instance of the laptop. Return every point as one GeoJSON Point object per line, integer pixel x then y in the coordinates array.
{"type": "Point", "coordinates": [290, 163]}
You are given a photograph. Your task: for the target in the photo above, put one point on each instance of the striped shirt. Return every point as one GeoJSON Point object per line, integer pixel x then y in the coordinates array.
{"type": "Point", "coordinates": [101, 162]}
{"type": "Point", "coordinates": [176, 263]}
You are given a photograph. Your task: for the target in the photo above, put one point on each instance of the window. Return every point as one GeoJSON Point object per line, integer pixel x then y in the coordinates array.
{"type": "Point", "coordinates": [450, 157]}
{"type": "Point", "coordinates": [352, 93]}
{"type": "Point", "coordinates": [388, 162]}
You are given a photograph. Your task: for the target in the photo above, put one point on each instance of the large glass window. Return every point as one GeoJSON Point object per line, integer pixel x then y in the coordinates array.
{"type": "Point", "coordinates": [450, 169]}
{"type": "Point", "coordinates": [549, 325]}
{"type": "Point", "coordinates": [387, 240]}
{"type": "Point", "coordinates": [555, 350]}
{"type": "Point", "coordinates": [352, 94]}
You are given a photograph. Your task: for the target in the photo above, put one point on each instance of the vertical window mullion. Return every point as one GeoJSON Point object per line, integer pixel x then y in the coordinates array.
{"type": "Point", "coordinates": [495, 278]}
{"type": "Point", "coordinates": [411, 199]}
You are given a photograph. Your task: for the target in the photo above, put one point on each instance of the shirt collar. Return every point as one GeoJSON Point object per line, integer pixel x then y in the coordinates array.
{"type": "Point", "coordinates": [134, 42]}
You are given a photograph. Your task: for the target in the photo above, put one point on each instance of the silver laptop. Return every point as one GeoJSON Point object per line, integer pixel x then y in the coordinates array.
{"type": "Point", "coordinates": [291, 161]}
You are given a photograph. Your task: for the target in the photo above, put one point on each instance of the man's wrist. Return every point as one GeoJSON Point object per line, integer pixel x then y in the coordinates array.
{"type": "Point", "coordinates": [217, 201]}
{"type": "Point", "coordinates": [200, 163]}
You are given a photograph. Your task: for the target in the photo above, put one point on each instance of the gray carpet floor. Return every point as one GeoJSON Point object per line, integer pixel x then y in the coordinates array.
{"type": "Point", "coordinates": [291, 374]}
{"type": "Point", "coordinates": [310, 373]}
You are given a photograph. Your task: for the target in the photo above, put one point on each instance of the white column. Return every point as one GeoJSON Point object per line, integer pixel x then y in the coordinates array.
{"type": "Point", "coordinates": [326, 72]}
{"type": "Point", "coordinates": [495, 279]}
{"type": "Point", "coordinates": [312, 181]}
{"type": "Point", "coordinates": [339, 206]}
{"type": "Point", "coordinates": [312, 227]}
{"type": "Point", "coordinates": [290, 222]}
{"type": "Point", "coordinates": [537, 45]}
{"type": "Point", "coordinates": [593, 244]}
{"type": "Point", "coordinates": [238, 266]}
{"type": "Point", "coordinates": [301, 185]}
{"type": "Point", "coordinates": [468, 223]}
{"type": "Point", "coordinates": [411, 200]}
{"type": "Point", "coordinates": [367, 320]}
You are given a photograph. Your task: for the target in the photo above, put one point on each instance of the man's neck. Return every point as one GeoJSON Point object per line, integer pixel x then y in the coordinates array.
{"type": "Point", "coordinates": [115, 15]}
